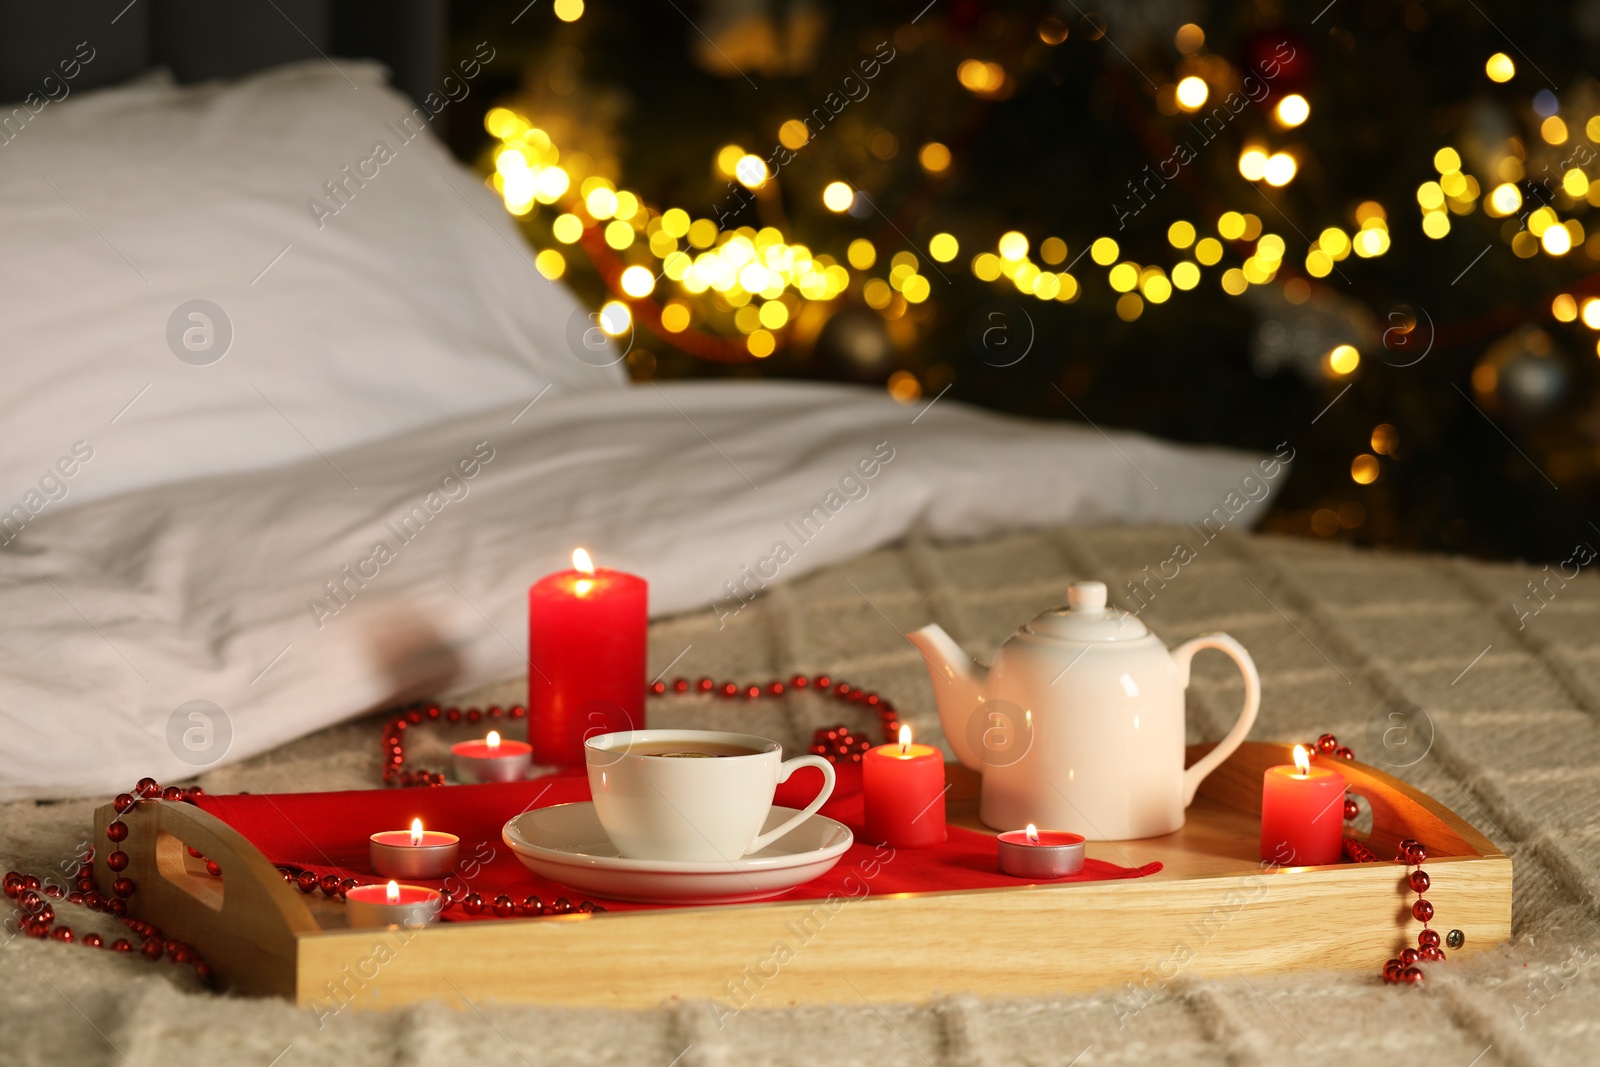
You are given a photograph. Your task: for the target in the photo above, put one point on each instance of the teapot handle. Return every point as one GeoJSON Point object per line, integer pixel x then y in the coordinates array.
{"type": "Point", "coordinates": [1183, 655]}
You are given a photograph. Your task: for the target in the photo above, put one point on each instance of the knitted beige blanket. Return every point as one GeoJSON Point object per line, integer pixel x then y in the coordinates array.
{"type": "Point", "coordinates": [1509, 679]}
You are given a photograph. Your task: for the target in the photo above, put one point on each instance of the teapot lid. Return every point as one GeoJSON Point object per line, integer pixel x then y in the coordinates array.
{"type": "Point", "coordinates": [1087, 618]}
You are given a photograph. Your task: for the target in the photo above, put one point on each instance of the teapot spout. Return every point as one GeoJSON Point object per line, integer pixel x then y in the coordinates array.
{"type": "Point", "coordinates": [958, 688]}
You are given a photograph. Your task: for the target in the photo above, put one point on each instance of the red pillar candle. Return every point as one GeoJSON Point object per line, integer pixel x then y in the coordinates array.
{"type": "Point", "coordinates": [586, 652]}
{"type": "Point", "coordinates": [1302, 813]}
{"type": "Point", "coordinates": [903, 790]}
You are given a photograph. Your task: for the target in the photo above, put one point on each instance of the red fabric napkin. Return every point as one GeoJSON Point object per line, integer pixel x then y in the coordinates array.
{"type": "Point", "coordinates": [328, 833]}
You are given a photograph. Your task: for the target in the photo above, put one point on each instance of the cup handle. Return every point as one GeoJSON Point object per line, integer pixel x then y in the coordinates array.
{"type": "Point", "coordinates": [1183, 654]}
{"type": "Point", "coordinates": [784, 771]}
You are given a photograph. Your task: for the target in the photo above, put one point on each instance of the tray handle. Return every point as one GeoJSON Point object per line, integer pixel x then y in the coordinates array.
{"type": "Point", "coordinates": [244, 924]}
{"type": "Point", "coordinates": [1398, 810]}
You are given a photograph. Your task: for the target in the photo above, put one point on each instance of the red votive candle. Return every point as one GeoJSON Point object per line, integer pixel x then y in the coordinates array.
{"type": "Point", "coordinates": [1302, 813]}
{"type": "Point", "coordinates": [586, 653]}
{"type": "Point", "coordinates": [902, 791]}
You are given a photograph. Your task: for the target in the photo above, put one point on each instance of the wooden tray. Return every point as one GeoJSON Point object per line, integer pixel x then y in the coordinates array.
{"type": "Point", "coordinates": [1211, 911]}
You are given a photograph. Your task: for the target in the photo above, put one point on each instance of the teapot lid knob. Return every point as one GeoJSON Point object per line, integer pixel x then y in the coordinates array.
{"type": "Point", "coordinates": [1087, 597]}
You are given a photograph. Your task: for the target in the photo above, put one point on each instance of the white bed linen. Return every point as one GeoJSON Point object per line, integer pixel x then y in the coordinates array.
{"type": "Point", "coordinates": [115, 613]}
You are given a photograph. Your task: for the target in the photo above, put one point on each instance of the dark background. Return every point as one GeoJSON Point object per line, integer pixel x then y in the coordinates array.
{"type": "Point", "coordinates": [1503, 464]}
{"type": "Point", "coordinates": [1471, 419]}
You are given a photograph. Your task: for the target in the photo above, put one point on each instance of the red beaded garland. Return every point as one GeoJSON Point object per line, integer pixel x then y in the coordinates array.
{"type": "Point", "coordinates": [1412, 853]}
{"type": "Point", "coordinates": [835, 744]}
{"type": "Point", "coordinates": [39, 919]}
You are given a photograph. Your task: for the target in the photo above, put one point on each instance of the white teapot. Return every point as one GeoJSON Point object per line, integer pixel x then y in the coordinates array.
{"type": "Point", "coordinates": [1078, 724]}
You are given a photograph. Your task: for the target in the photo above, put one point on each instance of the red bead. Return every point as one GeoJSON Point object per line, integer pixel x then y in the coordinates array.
{"type": "Point", "coordinates": [453, 715]}
{"type": "Point", "coordinates": [306, 881]}
{"type": "Point", "coordinates": [1412, 852]}
{"type": "Point", "coordinates": [519, 712]}
{"type": "Point", "coordinates": [414, 716]}
{"type": "Point", "coordinates": [123, 887]}
{"type": "Point", "coordinates": [433, 711]}
{"type": "Point", "coordinates": [1411, 976]}
{"type": "Point", "coordinates": [202, 971]}
{"type": "Point", "coordinates": [562, 905]}
{"type": "Point", "coordinates": [728, 689]}
{"type": "Point", "coordinates": [503, 906]}
{"type": "Point", "coordinates": [329, 884]}
{"type": "Point", "coordinates": [752, 691]}
{"type": "Point", "coordinates": [36, 929]}
{"type": "Point", "coordinates": [171, 946]}
{"type": "Point", "coordinates": [75, 897]}
{"type": "Point", "coordinates": [347, 884]}
{"type": "Point", "coordinates": [121, 944]}
{"type": "Point", "coordinates": [1433, 954]}
{"type": "Point", "coordinates": [680, 685]}
{"type": "Point", "coordinates": [13, 884]}
{"type": "Point", "coordinates": [194, 852]}
{"type": "Point", "coordinates": [1392, 971]}
{"type": "Point", "coordinates": [93, 899]}
{"type": "Point", "coordinates": [61, 933]}
{"type": "Point", "coordinates": [92, 941]}
{"type": "Point", "coordinates": [54, 892]}
{"type": "Point", "coordinates": [496, 711]}
{"type": "Point", "coordinates": [799, 681]}
{"type": "Point", "coordinates": [172, 792]}
{"type": "Point", "coordinates": [183, 954]}
{"type": "Point", "coordinates": [822, 681]}
{"type": "Point", "coordinates": [195, 791]}
{"type": "Point", "coordinates": [1428, 937]}
{"type": "Point", "coordinates": [1343, 752]}
{"type": "Point", "coordinates": [658, 687]}
{"type": "Point", "coordinates": [705, 685]}
{"type": "Point", "coordinates": [1423, 911]}
{"type": "Point", "coordinates": [123, 802]}
{"type": "Point", "coordinates": [147, 788]}
{"type": "Point", "coordinates": [152, 949]}
{"type": "Point", "coordinates": [1351, 810]}
{"type": "Point", "coordinates": [531, 906]}
{"type": "Point", "coordinates": [472, 904]}
{"type": "Point", "coordinates": [1410, 956]}
{"type": "Point", "coordinates": [775, 689]}
{"type": "Point", "coordinates": [117, 907]}
{"type": "Point", "coordinates": [1419, 881]}
{"type": "Point", "coordinates": [117, 831]}
{"type": "Point", "coordinates": [398, 725]}
{"type": "Point", "coordinates": [1327, 744]}
{"type": "Point", "coordinates": [474, 715]}
{"type": "Point", "coordinates": [118, 860]}
{"type": "Point", "coordinates": [842, 689]}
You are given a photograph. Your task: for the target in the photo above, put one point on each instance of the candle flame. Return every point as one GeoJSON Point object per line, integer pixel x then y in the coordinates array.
{"type": "Point", "coordinates": [393, 894]}
{"type": "Point", "coordinates": [416, 831]}
{"type": "Point", "coordinates": [905, 740]}
{"type": "Point", "coordinates": [581, 561]}
{"type": "Point", "coordinates": [1302, 760]}
{"type": "Point", "coordinates": [493, 740]}
{"type": "Point", "coordinates": [1033, 834]}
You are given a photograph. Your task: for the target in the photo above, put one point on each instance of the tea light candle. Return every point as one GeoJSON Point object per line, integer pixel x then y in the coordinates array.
{"type": "Point", "coordinates": [392, 905]}
{"type": "Point", "coordinates": [494, 759]}
{"type": "Point", "coordinates": [903, 791]}
{"type": "Point", "coordinates": [1036, 853]}
{"type": "Point", "coordinates": [586, 656]}
{"type": "Point", "coordinates": [418, 853]}
{"type": "Point", "coordinates": [1302, 813]}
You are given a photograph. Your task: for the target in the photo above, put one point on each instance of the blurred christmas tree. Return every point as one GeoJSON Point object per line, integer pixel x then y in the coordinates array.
{"type": "Point", "coordinates": [1359, 230]}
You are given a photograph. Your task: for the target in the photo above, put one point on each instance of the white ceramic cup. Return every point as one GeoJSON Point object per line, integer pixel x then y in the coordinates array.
{"type": "Point", "coordinates": [705, 809]}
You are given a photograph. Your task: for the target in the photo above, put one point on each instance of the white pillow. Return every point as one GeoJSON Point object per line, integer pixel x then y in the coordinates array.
{"type": "Point", "coordinates": [416, 301]}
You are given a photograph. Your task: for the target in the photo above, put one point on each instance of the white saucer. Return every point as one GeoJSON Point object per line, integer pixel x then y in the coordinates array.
{"type": "Point", "coordinates": [566, 843]}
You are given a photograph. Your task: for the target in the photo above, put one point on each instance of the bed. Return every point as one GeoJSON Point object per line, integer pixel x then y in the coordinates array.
{"type": "Point", "coordinates": [195, 542]}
